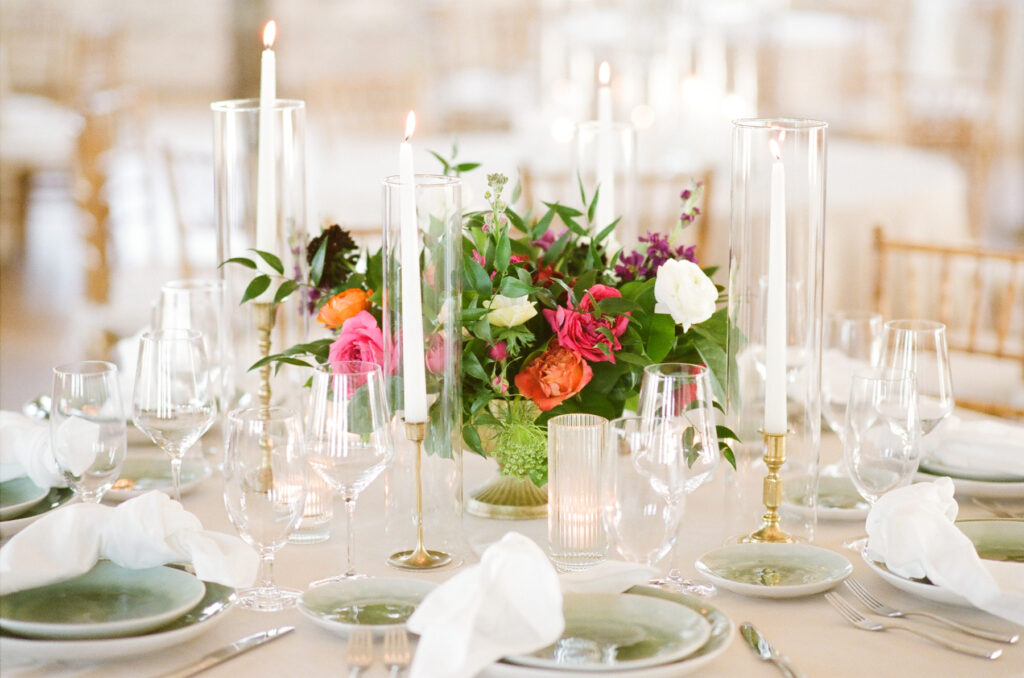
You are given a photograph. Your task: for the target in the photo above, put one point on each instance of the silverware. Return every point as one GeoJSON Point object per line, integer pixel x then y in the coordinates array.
{"type": "Point", "coordinates": [397, 654]}
{"type": "Point", "coordinates": [359, 655]}
{"type": "Point", "coordinates": [230, 652]}
{"type": "Point", "coordinates": [766, 651]}
{"type": "Point", "coordinates": [872, 623]}
{"type": "Point", "coordinates": [875, 605]}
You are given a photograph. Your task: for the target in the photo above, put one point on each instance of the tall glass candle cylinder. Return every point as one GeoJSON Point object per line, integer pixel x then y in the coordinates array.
{"type": "Point", "coordinates": [437, 242]}
{"type": "Point", "coordinates": [775, 292]}
{"type": "Point", "coordinates": [605, 160]}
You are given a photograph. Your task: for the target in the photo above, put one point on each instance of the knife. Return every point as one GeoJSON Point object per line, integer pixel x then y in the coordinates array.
{"type": "Point", "coordinates": [230, 652]}
{"type": "Point", "coordinates": [764, 650]}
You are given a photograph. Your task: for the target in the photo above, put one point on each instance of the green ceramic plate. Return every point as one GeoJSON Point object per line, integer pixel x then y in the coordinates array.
{"type": "Point", "coordinates": [18, 496]}
{"type": "Point", "coordinates": [614, 632]}
{"type": "Point", "coordinates": [107, 602]}
{"type": "Point", "coordinates": [774, 570]}
{"type": "Point", "coordinates": [211, 610]}
{"type": "Point", "coordinates": [140, 474]}
{"type": "Point", "coordinates": [838, 499]}
{"type": "Point", "coordinates": [360, 603]}
{"type": "Point", "coordinates": [57, 497]}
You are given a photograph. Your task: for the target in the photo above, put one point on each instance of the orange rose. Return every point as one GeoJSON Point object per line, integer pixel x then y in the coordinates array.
{"type": "Point", "coordinates": [343, 306]}
{"type": "Point", "coordinates": [553, 376]}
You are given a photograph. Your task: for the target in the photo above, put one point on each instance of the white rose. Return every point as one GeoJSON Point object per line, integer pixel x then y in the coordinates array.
{"type": "Point", "coordinates": [684, 292]}
{"type": "Point", "coordinates": [509, 311]}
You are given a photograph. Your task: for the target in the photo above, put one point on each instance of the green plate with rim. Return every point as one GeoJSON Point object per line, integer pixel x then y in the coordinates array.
{"type": "Point", "coordinates": [774, 570]}
{"type": "Point", "coordinates": [55, 498]}
{"type": "Point", "coordinates": [108, 601]}
{"type": "Point", "coordinates": [18, 495]}
{"type": "Point", "coordinates": [374, 603]}
{"type": "Point", "coordinates": [143, 473]}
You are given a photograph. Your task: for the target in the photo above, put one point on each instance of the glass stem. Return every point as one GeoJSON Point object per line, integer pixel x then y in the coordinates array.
{"type": "Point", "coordinates": [265, 575]}
{"type": "Point", "coordinates": [350, 510]}
{"type": "Point", "coordinates": [176, 476]}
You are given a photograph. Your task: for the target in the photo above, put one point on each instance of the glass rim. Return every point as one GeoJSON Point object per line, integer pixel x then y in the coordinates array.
{"type": "Point", "coordinates": [915, 325]}
{"type": "Point", "coordinates": [424, 179]}
{"type": "Point", "coordinates": [787, 124]}
{"type": "Point", "coordinates": [569, 421]}
{"type": "Point", "coordinates": [882, 375]}
{"type": "Point", "coordinates": [693, 370]}
{"type": "Point", "coordinates": [85, 367]}
{"type": "Point", "coordinates": [366, 367]}
{"type": "Point", "coordinates": [182, 334]}
{"type": "Point", "coordinates": [252, 105]}
{"type": "Point", "coordinates": [192, 284]}
{"type": "Point", "coordinates": [273, 413]}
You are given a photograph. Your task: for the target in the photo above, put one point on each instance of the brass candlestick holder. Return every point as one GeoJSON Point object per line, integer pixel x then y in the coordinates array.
{"type": "Point", "coordinates": [264, 325]}
{"type": "Point", "coordinates": [419, 558]}
{"type": "Point", "coordinates": [774, 458]}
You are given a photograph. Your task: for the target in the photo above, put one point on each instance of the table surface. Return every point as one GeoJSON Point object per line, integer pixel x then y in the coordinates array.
{"type": "Point", "coordinates": [806, 629]}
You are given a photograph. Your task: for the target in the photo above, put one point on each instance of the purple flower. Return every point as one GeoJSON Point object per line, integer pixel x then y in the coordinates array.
{"type": "Point", "coordinates": [546, 240]}
{"type": "Point", "coordinates": [653, 251]}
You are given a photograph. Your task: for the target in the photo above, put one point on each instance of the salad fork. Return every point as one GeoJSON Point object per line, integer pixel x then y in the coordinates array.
{"type": "Point", "coordinates": [396, 650]}
{"type": "Point", "coordinates": [882, 623]}
{"type": "Point", "coordinates": [359, 655]}
{"type": "Point", "coordinates": [875, 605]}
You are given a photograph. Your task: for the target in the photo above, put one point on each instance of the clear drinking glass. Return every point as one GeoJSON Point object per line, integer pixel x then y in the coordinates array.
{"type": "Point", "coordinates": [645, 490]}
{"type": "Point", "coordinates": [850, 343]}
{"type": "Point", "coordinates": [577, 468]}
{"type": "Point", "coordinates": [681, 393]}
{"type": "Point", "coordinates": [348, 440]}
{"type": "Point", "coordinates": [264, 492]}
{"type": "Point", "coordinates": [919, 346]}
{"type": "Point", "coordinates": [87, 426]}
{"type": "Point", "coordinates": [173, 403]}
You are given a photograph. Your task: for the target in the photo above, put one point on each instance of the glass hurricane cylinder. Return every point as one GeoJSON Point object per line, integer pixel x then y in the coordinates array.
{"type": "Point", "coordinates": [775, 292]}
{"type": "Point", "coordinates": [605, 160]}
{"type": "Point", "coordinates": [438, 231]}
{"type": "Point", "coordinates": [277, 223]}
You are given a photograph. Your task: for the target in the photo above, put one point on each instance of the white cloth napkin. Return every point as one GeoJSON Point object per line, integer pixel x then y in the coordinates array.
{"type": "Point", "coordinates": [146, 531]}
{"type": "Point", "coordinates": [611, 576]}
{"type": "Point", "coordinates": [25, 451]}
{"type": "Point", "coordinates": [981, 445]}
{"type": "Point", "coordinates": [911, 530]}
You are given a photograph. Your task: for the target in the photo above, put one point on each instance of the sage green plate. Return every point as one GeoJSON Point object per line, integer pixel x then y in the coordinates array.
{"type": "Point", "coordinates": [363, 603]}
{"type": "Point", "coordinates": [55, 498]}
{"type": "Point", "coordinates": [108, 601]}
{"type": "Point", "coordinates": [143, 473]}
{"type": "Point", "coordinates": [19, 495]}
{"type": "Point", "coordinates": [210, 611]}
{"type": "Point", "coordinates": [774, 570]}
{"type": "Point", "coordinates": [838, 498]}
{"type": "Point", "coordinates": [613, 632]}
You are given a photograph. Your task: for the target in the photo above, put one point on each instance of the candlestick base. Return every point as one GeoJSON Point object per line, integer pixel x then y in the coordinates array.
{"type": "Point", "coordinates": [774, 458]}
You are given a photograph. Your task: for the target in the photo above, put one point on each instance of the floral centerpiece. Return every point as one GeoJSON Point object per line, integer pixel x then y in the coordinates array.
{"type": "Point", "coordinates": [553, 321]}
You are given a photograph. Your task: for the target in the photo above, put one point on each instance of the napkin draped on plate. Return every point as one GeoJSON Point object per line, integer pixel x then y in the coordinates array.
{"type": "Point", "coordinates": [146, 531]}
{"type": "Point", "coordinates": [911, 530]}
{"type": "Point", "coordinates": [980, 445]}
{"type": "Point", "coordinates": [25, 451]}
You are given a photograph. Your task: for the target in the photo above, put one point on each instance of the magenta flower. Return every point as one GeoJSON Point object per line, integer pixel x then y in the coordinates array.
{"type": "Point", "coordinates": [579, 330]}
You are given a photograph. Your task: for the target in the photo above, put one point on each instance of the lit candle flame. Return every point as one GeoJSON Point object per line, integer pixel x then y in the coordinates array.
{"type": "Point", "coordinates": [269, 33]}
{"type": "Point", "coordinates": [410, 125]}
{"type": "Point", "coordinates": [604, 73]}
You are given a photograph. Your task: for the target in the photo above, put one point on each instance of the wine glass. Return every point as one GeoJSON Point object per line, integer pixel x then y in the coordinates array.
{"type": "Point", "coordinates": [172, 402]}
{"type": "Point", "coordinates": [681, 393]}
{"type": "Point", "coordinates": [264, 492]}
{"type": "Point", "coordinates": [348, 442]}
{"type": "Point", "coordinates": [645, 491]}
{"type": "Point", "coordinates": [87, 426]}
{"type": "Point", "coordinates": [850, 342]}
{"type": "Point", "coordinates": [919, 346]}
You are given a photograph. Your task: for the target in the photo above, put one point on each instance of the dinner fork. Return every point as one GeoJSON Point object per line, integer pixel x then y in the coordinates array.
{"type": "Point", "coordinates": [882, 623]}
{"type": "Point", "coordinates": [396, 650]}
{"type": "Point", "coordinates": [360, 652]}
{"type": "Point", "coordinates": [875, 605]}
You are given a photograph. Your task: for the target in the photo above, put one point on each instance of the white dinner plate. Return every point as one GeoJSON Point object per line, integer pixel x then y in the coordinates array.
{"type": "Point", "coordinates": [722, 630]}
{"type": "Point", "coordinates": [18, 495]}
{"type": "Point", "coordinates": [609, 632]}
{"type": "Point", "coordinates": [377, 604]}
{"type": "Point", "coordinates": [979, 488]}
{"type": "Point", "coordinates": [936, 467]}
{"type": "Point", "coordinates": [55, 498]}
{"type": "Point", "coordinates": [995, 539]}
{"type": "Point", "coordinates": [143, 473]}
{"type": "Point", "coordinates": [774, 570]}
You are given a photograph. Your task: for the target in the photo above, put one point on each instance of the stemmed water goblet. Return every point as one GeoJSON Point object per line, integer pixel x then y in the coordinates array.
{"type": "Point", "coordinates": [348, 442]}
{"type": "Point", "coordinates": [87, 426]}
{"type": "Point", "coordinates": [264, 492]}
{"type": "Point", "coordinates": [173, 403]}
{"type": "Point", "coordinates": [919, 346]}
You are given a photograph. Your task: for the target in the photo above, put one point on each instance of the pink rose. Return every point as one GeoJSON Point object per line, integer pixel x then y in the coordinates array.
{"type": "Point", "coordinates": [434, 357]}
{"type": "Point", "coordinates": [360, 339]}
{"type": "Point", "coordinates": [578, 330]}
{"type": "Point", "coordinates": [499, 351]}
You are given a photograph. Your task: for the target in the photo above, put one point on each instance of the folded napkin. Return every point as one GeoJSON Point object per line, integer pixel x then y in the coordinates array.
{"type": "Point", "coordinates": [25, 451]}
{"type": "Point", "coordinates": [146, 531]}
{"type": "Point", "coordinates": [611, 576]}
{"type": "Point", "coordinates": [911, 530]}
{"type": "Point", "coordinates": [981, 445]}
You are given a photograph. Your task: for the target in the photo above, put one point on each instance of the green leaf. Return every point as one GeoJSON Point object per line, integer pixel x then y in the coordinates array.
{"type": "Point", "coordinates": [556, 249]}
{"type": "Point", "coordinates": [593, 204]}
{"type": "Point", "coordinates": [631, 359]}
{"type": "Point", "coordinates": [248, 263]}
{"type": "Point", "coordinates": [444, 163]}
{"type": "Point", "coordinates": [513, 287]}
{"type": "Point", "coordinates": [617, 306]}
{"type": "Point", "coordinates": [471, 437]}
{"type": "Point", "coordinates": [662, 336]}
{"type": "Point", "coordinates": [478, 277]}
{"type": "Point", "coordinates": [724, 432]}
{"type": "Point", "coordinates": [293, 361]}
{"type": "Point", "coordinates": [714, 357]}
{"type": "Point", "coordinates": [271, 260]}
{"type": "Point", "coordinates": [316, 269]}
{"type": "Point", "coordinates": [286, 288]}
{"type": "Point", "coordinates": [257, 287]}
{"type": "Point", "coordinates": [471, 365]}
{"type": "Point", "coordinates": [607, 230]}
{"type": "Point", "coordinates": [502, 253]}
{"type": "Point", "coordinates": [542, 225]}
{"type": "Point", "coordinates": [466, 167]}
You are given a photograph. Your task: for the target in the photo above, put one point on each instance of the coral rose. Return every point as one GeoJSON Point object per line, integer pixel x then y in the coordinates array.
{"type": "Point", "coordinates": [342, 306]}
{"type": "Point", "coordinates": [553, 376]}
{"type": "Point", "coordinates": [580, 330]}
{"type": "Point", "coordinates": [360, 339]}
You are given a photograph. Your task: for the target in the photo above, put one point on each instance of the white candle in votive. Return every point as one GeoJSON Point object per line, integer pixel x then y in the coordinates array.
{"type": "Point", "coordinates": [266, 193]}
{"type": "Point", "coordinates": [414, 377]}
{"type": "Point", "coordinates": [775, 306]}
{"type": "Point", "coordinates": [605, 213]}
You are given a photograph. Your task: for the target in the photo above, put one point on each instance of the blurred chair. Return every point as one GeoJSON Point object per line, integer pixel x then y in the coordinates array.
{"type": "Point", "coordinates": [978, 294]}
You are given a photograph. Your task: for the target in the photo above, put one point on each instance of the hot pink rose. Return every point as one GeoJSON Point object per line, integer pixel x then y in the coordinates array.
{"type": "Point", "coordinates": [360, 339]}
{"type": "Point", "coordinates": [578, 330]}
{"type": "Point", "coordinates": [434, 357]}
{"type": "Point", "coordinates": [499, 351]}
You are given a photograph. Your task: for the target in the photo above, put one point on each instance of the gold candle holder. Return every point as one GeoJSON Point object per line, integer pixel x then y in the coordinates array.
{"type": "Point", "coordinates": [418, 558]}
{"type": "Point", "coordinates": [774, 458]}
{"type": "Point", "coordinates": [264, 325]}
